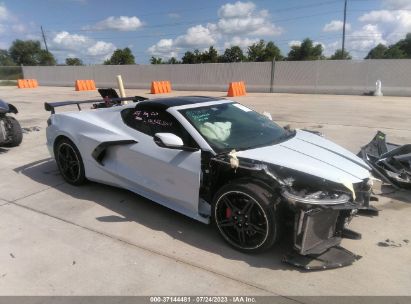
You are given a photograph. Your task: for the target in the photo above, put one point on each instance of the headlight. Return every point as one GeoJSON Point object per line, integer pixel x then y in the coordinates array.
{"type": "Point", "coordinates": [316, 198]}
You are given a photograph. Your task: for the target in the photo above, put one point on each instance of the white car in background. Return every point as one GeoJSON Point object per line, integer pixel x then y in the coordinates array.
{"type": "Point", "coordinates": [218, 161]}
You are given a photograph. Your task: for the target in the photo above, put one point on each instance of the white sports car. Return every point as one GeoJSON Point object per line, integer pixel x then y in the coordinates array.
{"type": "Point", "coordinates": [218, 161]}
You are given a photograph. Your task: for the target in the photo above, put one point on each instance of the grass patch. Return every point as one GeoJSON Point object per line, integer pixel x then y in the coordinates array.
{"type": "Point", "coordinates": [8, 82]}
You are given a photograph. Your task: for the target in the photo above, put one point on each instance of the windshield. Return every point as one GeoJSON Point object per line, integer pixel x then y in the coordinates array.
{"type": "Point", "coordinates": [232, 126]}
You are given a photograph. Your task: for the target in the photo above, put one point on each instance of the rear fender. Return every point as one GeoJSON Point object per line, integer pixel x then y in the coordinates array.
{"type": "Point", "coordinates": [7, 108]}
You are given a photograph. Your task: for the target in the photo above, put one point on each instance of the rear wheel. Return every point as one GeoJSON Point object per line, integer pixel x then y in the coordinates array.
{"type": "Point", "coordinates": [16, 133]}
{"type": "Point", "coordinates": [69, 162]}
{"type": "Point", "coordinates": [245, 216]}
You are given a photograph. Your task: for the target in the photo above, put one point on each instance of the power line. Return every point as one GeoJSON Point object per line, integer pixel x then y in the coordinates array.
{"type": "Point", "coordinates": [166, 25]}
{"type": "Point", "coordinates": [312, 5]}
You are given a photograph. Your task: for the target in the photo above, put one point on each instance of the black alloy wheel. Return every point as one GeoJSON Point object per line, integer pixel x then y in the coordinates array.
{"type": "Point", "coordinates": [245, 218]}
{"type": "Point", "coordinates": [69, 162]}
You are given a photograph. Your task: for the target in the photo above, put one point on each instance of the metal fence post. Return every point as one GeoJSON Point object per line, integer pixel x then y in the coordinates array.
{"type": "Point", "coordinates": [317, 72]}
{"type": "Point", "coordinates": [272, 76]}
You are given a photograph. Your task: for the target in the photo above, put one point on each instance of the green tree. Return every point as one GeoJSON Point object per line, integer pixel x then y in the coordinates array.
{"type": "Point", "coordinates": [339, 55]}
{"type": "Point", "coordinates": [394, 52]}
{"type": "Point", "coordinates": [46, 58]}
{"type": "Point", "coordinates": [255, 52]}
{"type": "Point", "coordinates": [233, 54]}
{"type": "Point", "coordinates": [74, 61]}
{"type": "Point", "coordinates": [156, 60]}
{"type": "Point", "coordinates": [29, 52]}
{"type": "Point", "coordinates": [405, 46]}
{"type": "Point", "coordinates": [399, 50]}
{"type": "Point", "coordinates": [173, 60]}
{"type": "Point", "coordinates": [189, 58]}
{"type": "Point", "coordinates": [261, 51]}
{"type": "Point", "coordinates": [377, 52]}
{"type": "Point", "coordinates": [5, 59]}
{"type": "Point", "coordinates": [210, 56]}
{"type": "Point", "coordinates": [306, 51]}
{"type": "Point", "coordinates": [121, 57]}
{"type": "Point", "coordinates": [272, 52]}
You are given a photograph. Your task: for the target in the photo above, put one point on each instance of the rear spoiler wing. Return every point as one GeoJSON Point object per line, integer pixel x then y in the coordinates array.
{"type": "Point", "coordinates": [50, 106]}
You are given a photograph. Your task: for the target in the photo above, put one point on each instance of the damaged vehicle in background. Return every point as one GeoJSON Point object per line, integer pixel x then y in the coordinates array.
{"type": "Point", "coordinates": [10, 131]}
{"type": "Point", "coordinates": [390, 162]}
{"type": "Point", "coordinates": [218, 161]}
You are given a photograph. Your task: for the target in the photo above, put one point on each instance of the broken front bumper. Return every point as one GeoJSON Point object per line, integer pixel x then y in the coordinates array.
{"type": "Point", "coordinates": [319, 225]}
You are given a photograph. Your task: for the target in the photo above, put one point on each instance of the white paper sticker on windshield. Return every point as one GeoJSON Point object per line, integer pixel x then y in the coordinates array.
{"type": "Point", "coordinates": [241, 107]}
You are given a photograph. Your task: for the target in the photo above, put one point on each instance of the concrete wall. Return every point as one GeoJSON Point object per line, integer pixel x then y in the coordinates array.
{"type": "Point", "coordinates": [324, 76]}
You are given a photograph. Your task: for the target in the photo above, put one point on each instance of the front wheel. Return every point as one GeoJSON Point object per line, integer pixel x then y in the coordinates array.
{"type": "Point", "coordinates": [245, 216]}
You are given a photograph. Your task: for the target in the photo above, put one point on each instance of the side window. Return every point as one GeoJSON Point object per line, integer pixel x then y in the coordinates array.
{"type": "Point", "coordinates": [150, 121]}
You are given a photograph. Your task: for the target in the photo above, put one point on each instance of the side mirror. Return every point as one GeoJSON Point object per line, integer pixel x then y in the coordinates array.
{"type": "Point", "coordinates": [171, 141]}
{"type": "Point", "coordinates": [168, 140]}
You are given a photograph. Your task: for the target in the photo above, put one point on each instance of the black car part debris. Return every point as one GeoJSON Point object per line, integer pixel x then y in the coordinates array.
{"type": "Point", "coordinates": [11, 133]}
{"type": "Point", "coordinates": [333, 257]}
{"type": "Point", "coordinates": [390, 162]}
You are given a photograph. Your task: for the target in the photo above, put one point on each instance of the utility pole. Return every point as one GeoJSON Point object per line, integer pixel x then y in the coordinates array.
{"type": "Point", "coordinates": [44, 38]}
{"type": "Point", "coordinates": [343, 37]}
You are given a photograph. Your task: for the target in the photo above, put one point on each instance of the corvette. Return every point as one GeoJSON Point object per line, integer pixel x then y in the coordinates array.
{"type": "Point", "coordinates": [220, 162]}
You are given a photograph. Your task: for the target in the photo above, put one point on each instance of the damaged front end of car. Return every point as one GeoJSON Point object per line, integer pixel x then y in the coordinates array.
{"type": "Point", "coordinates": [318, 211]}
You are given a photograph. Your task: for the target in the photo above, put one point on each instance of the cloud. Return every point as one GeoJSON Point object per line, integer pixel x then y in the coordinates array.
{"type": "Point", "coordinates": [122, 23]}
{"type": "Point", "coordinates": [336, 26]}
{"type": "Point", "coordinates": [101, 49]}
{"type": "Point", "coordinates": [397, 4]}
{"type": "Point", "coordinates": [10, 23]}
{"type": "Point", "coordinates": [239, 19]}
{"type": "Point", "coordinates": [294, 43]}
{"type": "Point", "coordinates": [366, 38]}
{"type": "Point", "coordinates": [174, 16]}
{"type": "Point", "coordinates": [378, 16]}
{"type": "Point", "coordinates": [330, 48]}
{"type": "Point", "coordinates": [196, 36]}
{"type": "Point", "coordinates": [66, 41]}
{"type": "Point", "coordinates": [241, 42]}
{"type": "Point", "coordinates": [19, 28]}
{"type": "Point", "coordinates": [395, 23]}
{"type": "Point", "coordinates": [164, 48]}
{"type": "Point", "coordinates": [250, 25]}
{"type": "Point", "coordinates": [238, 9]}
{"type": "Point", "coordinates": [65, 45]}
{"type": "Point", "coordinates": [4, 12]}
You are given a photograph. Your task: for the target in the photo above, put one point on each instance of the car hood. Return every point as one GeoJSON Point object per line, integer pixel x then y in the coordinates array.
{"type": "Point", "coordinates": [312, 154]}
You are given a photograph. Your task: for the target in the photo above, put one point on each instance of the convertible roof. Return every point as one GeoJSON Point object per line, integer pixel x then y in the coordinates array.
{"type": "Point", "coordinates": [165, 103]}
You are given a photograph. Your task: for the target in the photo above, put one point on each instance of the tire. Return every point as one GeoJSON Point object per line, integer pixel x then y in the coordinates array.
{"type": "Point", "coordinates": [15, 130]}
{"type": "Point", "coordinates": [70, 162]}
{"type": "Point", "coordinates": [245, 215]}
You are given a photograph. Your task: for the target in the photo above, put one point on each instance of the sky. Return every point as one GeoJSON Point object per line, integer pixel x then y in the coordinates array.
{"type": "Point", "coordinates": [92, 30]}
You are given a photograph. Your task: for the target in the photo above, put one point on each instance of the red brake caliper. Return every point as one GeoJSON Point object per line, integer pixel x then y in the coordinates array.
{"type": "Point", "coordinates": [228, 213]}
